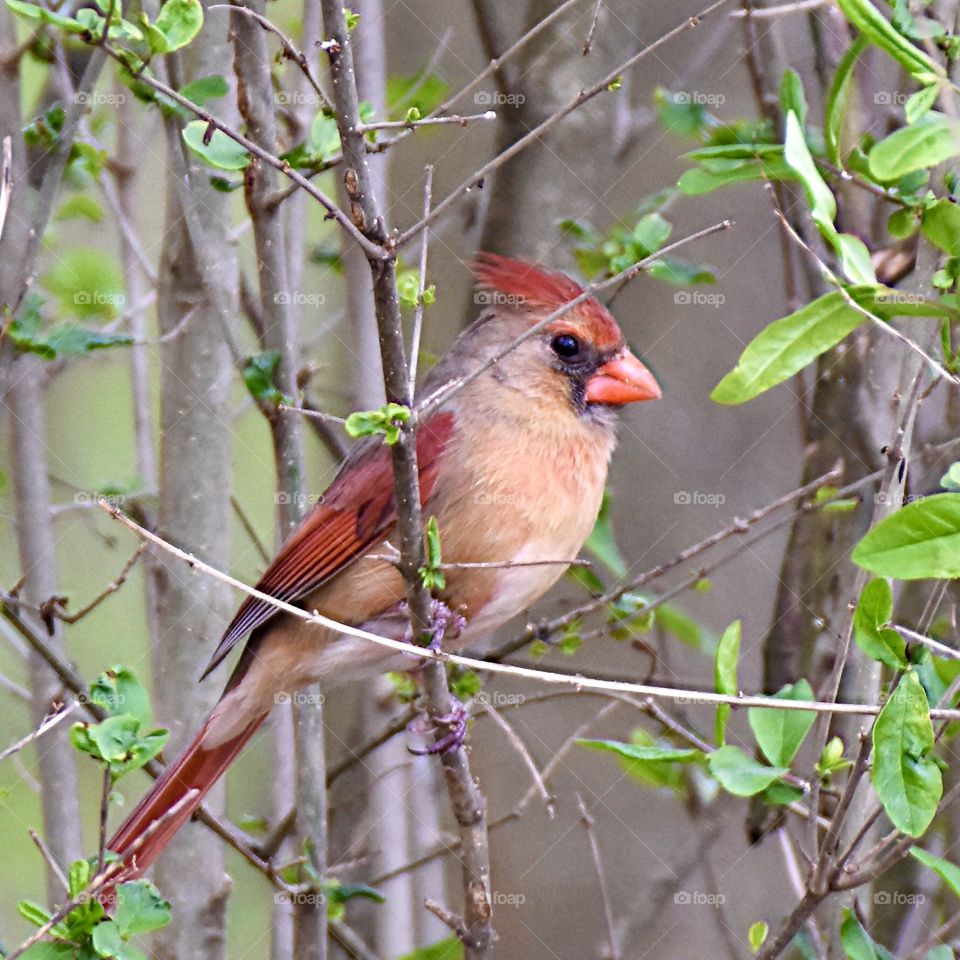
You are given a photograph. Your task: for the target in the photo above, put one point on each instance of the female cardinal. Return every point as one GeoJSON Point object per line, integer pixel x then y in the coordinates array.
{"type": "Point", "coordinates": [513, 467]}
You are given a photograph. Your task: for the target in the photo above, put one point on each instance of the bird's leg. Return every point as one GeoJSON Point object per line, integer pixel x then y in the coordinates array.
{"type": "Point", "coordinates": [443, 621]}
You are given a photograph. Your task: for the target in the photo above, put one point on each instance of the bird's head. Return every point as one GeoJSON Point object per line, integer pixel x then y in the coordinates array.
{"type": "Point", "coordinates": [579, 361]}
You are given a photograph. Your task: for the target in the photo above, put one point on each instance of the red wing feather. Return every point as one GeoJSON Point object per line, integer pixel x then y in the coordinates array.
{"type": "Point", "coordinates": [356, 512]}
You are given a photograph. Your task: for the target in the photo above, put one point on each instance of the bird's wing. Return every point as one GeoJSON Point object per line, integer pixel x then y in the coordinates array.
{"type": "Point", "coordinates": [356, 512]}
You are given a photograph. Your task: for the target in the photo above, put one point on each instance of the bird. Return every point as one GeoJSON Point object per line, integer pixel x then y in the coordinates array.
{"type": "Point", "coordinates": [513, 467]}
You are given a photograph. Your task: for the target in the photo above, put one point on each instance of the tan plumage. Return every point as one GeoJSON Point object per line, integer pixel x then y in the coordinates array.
{"type": "Point", "coordinates": [513, 466]}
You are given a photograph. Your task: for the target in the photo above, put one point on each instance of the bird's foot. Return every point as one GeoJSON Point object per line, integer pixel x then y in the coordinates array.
{"type": "Point", "coordinates": [443, 621]}
{"type": "Point", "coordinates": [456, 720]}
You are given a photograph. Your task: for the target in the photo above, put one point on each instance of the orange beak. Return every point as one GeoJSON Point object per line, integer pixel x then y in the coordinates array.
{"type": "Point", "coordinates": [624, 379]}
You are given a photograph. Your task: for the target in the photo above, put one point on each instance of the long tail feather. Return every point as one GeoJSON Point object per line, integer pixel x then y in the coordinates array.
{"type": "Point", "coordinates": [197, 768]}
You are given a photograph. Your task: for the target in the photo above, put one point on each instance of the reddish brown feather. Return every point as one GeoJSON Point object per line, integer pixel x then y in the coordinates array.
{"type": "Point", "coordinates": [540, 289]}
{"type": "Point", "coordinates": [196, 769]}
{"type": "Point", "coordinates": [355, 514]}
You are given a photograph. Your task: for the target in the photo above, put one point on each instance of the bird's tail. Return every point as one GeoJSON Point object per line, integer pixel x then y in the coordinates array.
{"type": "Point", "coordinates": [152, 825]}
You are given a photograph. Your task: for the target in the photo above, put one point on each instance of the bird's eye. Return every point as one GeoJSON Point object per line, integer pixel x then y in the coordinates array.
{"type": "Point", "coordinates": [565, 345]}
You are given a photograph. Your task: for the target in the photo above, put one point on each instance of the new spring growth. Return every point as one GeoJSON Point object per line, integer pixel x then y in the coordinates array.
{"type": "Point", "coordinates": [386, 422]}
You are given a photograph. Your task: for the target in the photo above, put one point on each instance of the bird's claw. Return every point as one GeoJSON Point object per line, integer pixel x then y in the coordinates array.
{"type": "Point", "coordinates": [443, 620]}
{"type": "Point", "coordinates": [456, 720]}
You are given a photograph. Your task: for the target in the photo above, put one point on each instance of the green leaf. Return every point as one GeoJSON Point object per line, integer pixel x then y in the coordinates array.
{"type": "Point", "coordinates": [680, 272]}
{"type": "Point", "coordinates": [870, 629]}
{"type": "Point", "coordinates": [324, 137]}
{"type": "Point", "coordinates": [951, 479]}
{"type": "Point", "coordinates": [927, 143]}
{"type": "Point", "coordinates": [422, 91]}
{"type": "Point", "coordinates": [648, 754]}
{"type": "Point", "coordinates": [725, 674]}
{"type": "Point", "coordinates": [786, 346]}
{"type": "Point", "coordinates": [757, 935]}
{"type": "Point", "coordinates": [657, 770]}
{"type": "Point", "coordinates": [699, 181]}
{"type": "Point", "coordinates": [205, 89]}
{"type": "Point", "coordinates": [140, 908]}
{"type": "Point", "coordinates": [920, 103]}
{"type": "Point", "coordinates": [108, 942]}
{"type": "Point", "coordinates": [259, 375]}
{"type": "Point", "coordinates": [652, 232]}
{"type": "Point", "coordinates": [430, 574]}
{"type": "Point", "coordinates": [941, 225]}
{"type": "Point", "coordinates": [119, 691]}
{"type": "Point", "coordinates": [740, 774]}
{"type": "Point", "coordinates": [780, 733]}
{"type": "Point", "coordinates": [919, 542]}
{"type": "Point", "coordinates": [88, 283]}
{"type": "Point", "coordinates": [385, 422]}
{"type": "Point", "coordinates": [856, 942]}
{"type": "Point", "coordinates": [33, 11]}
{"type": "Point", "coordinates": [855, 262]}
{"type": "Point", "coordinates": [80, 206]}
{"type": "Point", "coordinates": [908, 783]}
{"type": "Point", "coordinates": [79, 877]}
{"type": "Point", "coordinates": [854, 256]}
{"type": "Point", "coordinates": [823, 206]}
{"type": "Point", "coordinates": [837, 101]}
{"type": "Point", "coordinates": [33, 913]}
{"type": "Point", "coordinates": [947, 871]}
{"type": "Point", "coordinates": [178, 22]}
{"type": "Point", "coordinates": [792, 99]}
{"type": "Point", "coordinates": [868, 20]}
{"type": "Point", "coordinates": [219, 150]}
{"type": "Point", "coordinates": [449, 949]}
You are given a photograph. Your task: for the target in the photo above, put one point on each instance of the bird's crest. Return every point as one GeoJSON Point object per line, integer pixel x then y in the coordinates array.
{"type": "Point", "coordinates": [527, 285]}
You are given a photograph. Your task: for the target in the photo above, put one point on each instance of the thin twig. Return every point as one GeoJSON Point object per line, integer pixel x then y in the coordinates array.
{"type": "Point", "coordinates": [49, 722]}
{"type": "Point", "coordinates": [418, 312]}
{"type": "Point", "coordinates": [587, 821]}
{"type": "Point", "coordinates": [525, 755]}
{"type": "Point", "coordinates": [6, 181]}
{"type": "Point", "coordinates": [588, 43]}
